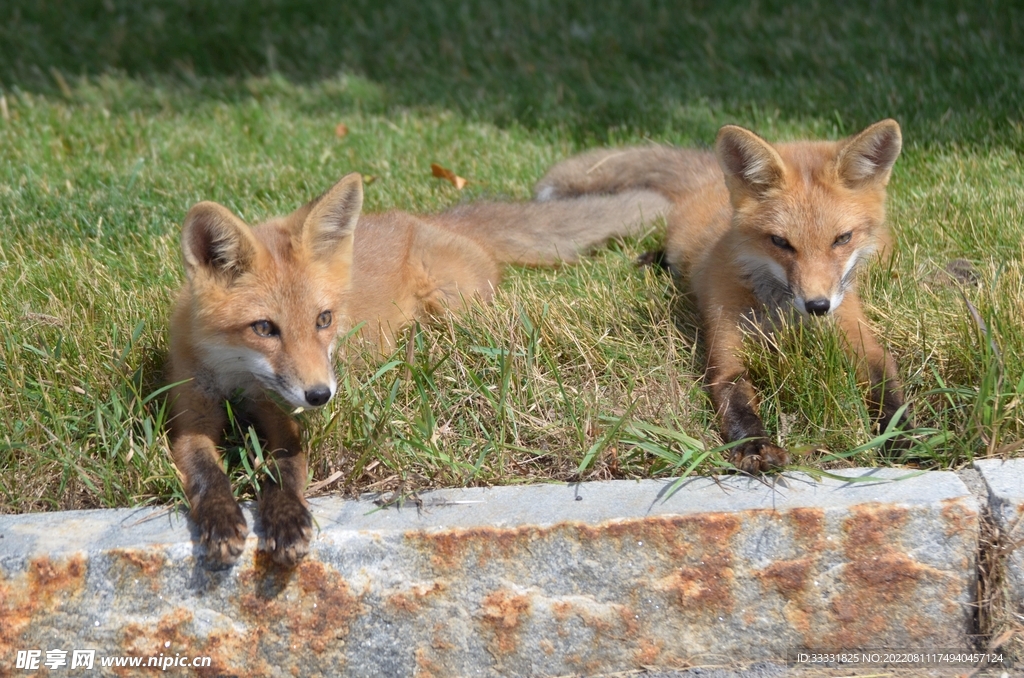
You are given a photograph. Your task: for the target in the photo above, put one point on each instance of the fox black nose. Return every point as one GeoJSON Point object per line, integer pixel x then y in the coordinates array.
{"type": "Point", "coordinates": [318, 395]}
{"type": "Point", "coordinates": [818, 306]}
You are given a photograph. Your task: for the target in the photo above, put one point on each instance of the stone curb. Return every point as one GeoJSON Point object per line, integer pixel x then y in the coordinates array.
{"type": "Point", "coordinates": [517, 581]}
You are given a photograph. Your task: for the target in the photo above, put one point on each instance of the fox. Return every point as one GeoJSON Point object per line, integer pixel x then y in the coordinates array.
{"type": "Point", "coordinates": [262, 307]}
{"type": "Point", "coordinates": [757, 230]}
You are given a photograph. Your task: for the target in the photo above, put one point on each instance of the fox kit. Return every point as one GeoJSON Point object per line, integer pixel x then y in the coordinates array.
{"type": "Point", "coordinates": [757, 227]}
{"type": "Point", "coordinates": [262, 308]}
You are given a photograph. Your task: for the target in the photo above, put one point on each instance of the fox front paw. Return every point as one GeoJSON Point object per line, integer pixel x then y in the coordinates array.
{"type": "Point", "coordinates": [222, 532]}
{"type": "Point", "coordinates": [758, 456]}
{"type": "Point", "coordinates": [287, 527]}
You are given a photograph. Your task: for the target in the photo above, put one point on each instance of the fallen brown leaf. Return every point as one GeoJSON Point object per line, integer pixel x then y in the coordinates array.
{"type": "Point", "coordinates": [341, 130]}
{"type": "Point", "coordinates": [445, 173]}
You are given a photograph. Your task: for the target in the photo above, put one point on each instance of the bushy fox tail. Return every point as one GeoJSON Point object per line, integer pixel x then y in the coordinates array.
{"type": "Point", "coordinates": [545, 233]}
{"type": "Point", "coordinates": [666, 170]}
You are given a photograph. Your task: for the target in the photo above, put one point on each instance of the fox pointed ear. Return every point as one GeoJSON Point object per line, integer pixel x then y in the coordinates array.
{"type": "Point", "coordinates": [215, 240]}
{"type": "Point", "coordinates": [869, 156]}
{"type": "Point", "coordinates": [332, 219]}
{"type": "Point", "coordinates": [749, 162]}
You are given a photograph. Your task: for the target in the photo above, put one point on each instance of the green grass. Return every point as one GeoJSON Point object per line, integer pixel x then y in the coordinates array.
{"type": "Point", "coordinates": [120, 115]}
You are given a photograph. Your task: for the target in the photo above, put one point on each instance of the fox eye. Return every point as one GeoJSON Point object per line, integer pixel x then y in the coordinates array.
{"type": "Point", "coordinates": [265, 328]}
{"type": "Point", "coordinates": [781, 242]}
{"type": "Point", "coordinates": [323, 321]}
{"type": "Point", "coordinates": [843, 239]}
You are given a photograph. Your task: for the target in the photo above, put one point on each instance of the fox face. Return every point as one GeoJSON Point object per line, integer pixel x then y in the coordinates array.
{"type": "Point", "coordinates": [804, 246]}
{"type": "Point", "coordinates": [265, 301]}
{"type": "Point", "coordinates": [274, 327]}
{"type": "Point", "coordinates": [803, 224]}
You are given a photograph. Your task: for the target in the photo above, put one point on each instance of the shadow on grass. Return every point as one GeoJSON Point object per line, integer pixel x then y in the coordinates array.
{"type": "Point", "coordinates": [946, 70]}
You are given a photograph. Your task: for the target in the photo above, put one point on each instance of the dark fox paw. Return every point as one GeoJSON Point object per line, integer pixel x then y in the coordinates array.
{"type": "Point", "coordinates": [222, 531]}
{"type": "Point", "coordinates": [758, 456]}
{"type": "Point", "coordinates": [287, 527]}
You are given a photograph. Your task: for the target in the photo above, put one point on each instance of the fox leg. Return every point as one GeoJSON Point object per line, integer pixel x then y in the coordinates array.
{"type": "Point", "coordinates": [196, 426]}
{"type": "Point", "coordinates": [874, 364]}
{"type": "Point", "coordinates": [286, 521]}
{"type": "Point", "coordinates": [734, 396]}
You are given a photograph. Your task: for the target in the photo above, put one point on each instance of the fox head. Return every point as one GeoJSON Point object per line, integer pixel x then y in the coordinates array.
{"type": "Point", "coordinates": [266, 301]}
{"type": "Point", "coordinates": [805, 215]}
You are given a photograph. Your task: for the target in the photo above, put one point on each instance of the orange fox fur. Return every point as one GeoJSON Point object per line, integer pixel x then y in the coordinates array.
{"type": "Point", "coordinates": [262, 308]}
{"type": "Point", "coordinates": [757, 228]}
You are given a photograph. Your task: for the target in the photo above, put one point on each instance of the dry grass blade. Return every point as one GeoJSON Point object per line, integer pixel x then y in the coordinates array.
{"type": "Point", "coordinates": [321, 484]}
{"type": "Point", "coordinates": [58, 77]}
{"type": "Point", "coordinates": [997, 606]}
{"type": "Point", "coordinates": [983, 326]}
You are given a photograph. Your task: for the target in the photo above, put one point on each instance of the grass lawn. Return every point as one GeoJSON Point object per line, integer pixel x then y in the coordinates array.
{"type": "Point", "coordinates": [116, 116]}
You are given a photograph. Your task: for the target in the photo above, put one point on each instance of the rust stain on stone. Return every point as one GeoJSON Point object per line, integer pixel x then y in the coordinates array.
{"type": "Point", "coordinates": [311, 604]}
{"type": "Point", "coordinates": [503, 613]}
{"type": "Point", "coordinates": [403, 602]}
{"type": "Point", "coordinates": [13, 617]}
{"type": "Point", "coordinates": [48, 579]}
{"type": "Point", "coordinates": [703, 581]}
{"type": "Point", "coordinates": [630, 623]}
{"type": "Point", "coordinates": [705, 589]}
{"type": "Point", "coordinates": [887, 579]}
{"type": "Point", "coordinates": [792, 579]}
{"type": "Point", "coordinates": [872, 528]}
{"type": "Point", "coordinates": [41, 590]}
{"type": "Point", "coordinates": [426, 666]}
{"type": "Point", "coordinates": [958, 517]}
{"type": "Point", "coordinates": [788, 577]}
{"type": "Point", "coordinates": [146, 563]}
{"type": "Point", "coordinates": [440, 639]}
{"type": "Point", "coordinates": [608, 621]}
{"type": "Point", "coordinates": [880, 582]}
{"type": "Point", "coordinates": [137, 563]}
{"type": "Point", "coordinates": [808, 526]}
{"type": "Point", "coordinates": [266, 577]}
{"type": "Point", "coordinates": [449, 549]}
{"type": "Point", "coordinates": [679, 537]}
{"type": "Point", "coordinates": [878, 593]}
{"type": "Point", "coordinates": [648, 653]}
{"type": "Point", "coordinates": [47, 584]}
{"type": "Point", "coordinates": [672, 536]}
{"type": "Point", "coordinates": [139, 639]}
{"type": "Point", "coordinates": [618, 623]}
{"type": "Point", "coordinates": [411, 600]}
{"type": "Point", "coordinates": [174, 633]}
{"type": "Point", "coordinates": [334, 606]}
{"type": "Point", "coordinates": [561, 609]}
